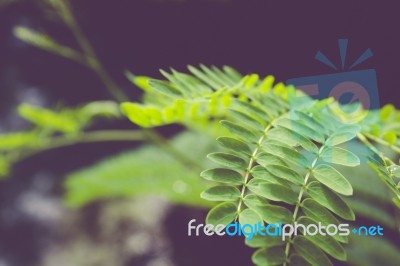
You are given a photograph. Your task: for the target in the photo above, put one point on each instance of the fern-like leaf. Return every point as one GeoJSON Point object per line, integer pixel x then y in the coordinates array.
{"type": "Point", "coordinates": [270, 149]}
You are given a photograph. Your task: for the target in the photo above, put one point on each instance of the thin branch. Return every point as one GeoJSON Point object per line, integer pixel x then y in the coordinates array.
{"type": "Point", "coordinates": [92, 60]}
{"type": "Point", "coordinates": [382, 142]}
{"type": "Point", "coordinates": [88, 137]}
{"type": "Point", "coordinates": [302, 190]}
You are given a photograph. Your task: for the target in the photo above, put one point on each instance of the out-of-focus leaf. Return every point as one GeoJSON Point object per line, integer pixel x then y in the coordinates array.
{"type": "Point", "coordinates": [107, 109]}
{"type": "Point", "coordinates": [4, 167]}
{"type": "Point", "coordinates": [375, 251]}
{"type": "Point", "coordinates": [269, 256]}
{"type": "Point", "coordinates": [15, 140]}
{"type": "Point", "coordinates": [45, 42]}
{"type": "Point", "coordinates": [136, 174]}
{"type": "Point", "coordinates": [63, 121]}
{"type": "Point", "coordinates": [310, 252]}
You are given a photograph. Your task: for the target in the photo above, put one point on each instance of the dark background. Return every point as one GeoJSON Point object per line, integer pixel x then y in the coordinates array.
{"type": "Point", "coordinates": [265, 37]}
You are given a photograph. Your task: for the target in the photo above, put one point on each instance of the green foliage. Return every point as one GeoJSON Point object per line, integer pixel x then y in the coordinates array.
{"type": "Point", "coordinates": [272, 137]}
{"type": "Point", "coordinates": [375, 251]}
{"type": "Point", "coordinates": [194, 101]}
{"type": "Point", "coordinates": [270, 182]}
{"type": "Point", "coordinates": [51, 129]}
{"type": "Point", "coordinates": [145, 171]}
{"type": "Point", "coordinates": [45, 42]}
{"type": "Point", "coordinates": [284, 158]}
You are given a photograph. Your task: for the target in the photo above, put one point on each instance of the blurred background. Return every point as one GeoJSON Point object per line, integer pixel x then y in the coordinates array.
{"type": "Point", "coordinates": [143, 36]}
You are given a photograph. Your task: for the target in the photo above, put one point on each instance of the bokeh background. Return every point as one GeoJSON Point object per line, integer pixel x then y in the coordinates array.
{"type": "Point", "coordinates": [143, 36]}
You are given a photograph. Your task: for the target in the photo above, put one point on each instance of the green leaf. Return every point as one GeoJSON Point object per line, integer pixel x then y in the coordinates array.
{"type": "Point", "coordinates": [63, 121]}
{"type": "Point", "coordinates": [223, 76]}
{"type": "Point", "coordinates": [142, 115]}
{"type": "Point", "coordinates": [259, 241]}
{"type": "Point", "coordinates": [371, 210]}
{"type": "Point", "coordinates": [221, 193]}
{"type": "Point", "coordinates": [223, 175]}
{"type": "Point", "coordinates": [272, 214]}
{"type": "Point", "coordinates": [205, 78]}
{"type": "Point", "coordinates": [319, 213]}
{"type": "Point", "coordinates": [134, 174]}
{"type": "Point", "coordinates": [342, 135]}
{"type": "Point", "coordinates": [292, 138]}
{"type": "Point", "coordinates": [261, 175]}
{"type": "Point", "coordinates": [212, 75]}
{"type": "Point", "coordinates": [248, 216]}
{"type": "Point", "coordinates": [252, 110]}
{"type": "Point", "coordinates": [16, 140]}
{"type": "Point", "coordinates": [273, 192]}
{"type": "Point", "coordinates": [45, 42]}
{"type": "Point", "coordinates": [375, 251]}
{"type": "Point", "coordinates": [327, 243]}
{"type": "Point", "coordinates": [310, 252]}
{"type": "Point", "coordinates": [165, 88]}
{"type": "Point", "coordinates": [236, 146]}
{"type": "Point", "coordinates": [251, 200]}
{"type": "Point", "coordinates": [340, 156]}
{"type": "Point", "coordinates": [331, 178]}
{"type": "Point", "coordinates": [301, 128]}
{"type": "Point", "coordinates": [288, 154]}
{"type": "Point", "coordinates": [223, 213]}
{"type": "Point", "coordinates": [311, 121]}
{"type": "Point", "coordinates": [141, 82]}
{"type": "Point", "coordinates": [241, 132]}
{"type": "Point", "coordinates": [228, 160]}
{"type": "Point", "coordinates": [330, 200]}
{"type": "Point", "coordinates": [248, 120]}
{"type": "Point", "coordinates": [4, 167]}
{"type": "Point", "coordinates": [393, 169]}
{"type": "Point", "coordinates": [266, 159]}
{"type": "Point", "coordinates": [285, 173]}
{"type": "Point", "coordinates": [298, 261]}
{"type": "Point", "coordinates": [269, 256]}
{"type": "Point", "coordinates": [390, 137]}
{"type": "Point", "coordinates": [387, 111]}
{"type": "Point", "coordinates": [107, 109]}
{"type": "Point", "coordinates": [232, 73]}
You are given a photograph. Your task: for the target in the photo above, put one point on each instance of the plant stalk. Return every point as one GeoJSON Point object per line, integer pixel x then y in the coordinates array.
{"type": "Point", "coordinates": [296, 210]}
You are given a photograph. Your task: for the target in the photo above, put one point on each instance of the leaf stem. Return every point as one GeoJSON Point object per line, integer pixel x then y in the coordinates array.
{"type": "Point", "coordinates": [302, 190]}
{"type": "Point", "coordinates": [382, 142]}
{"type": "Point", "coordinates": [364, 139]}
{"type": "Point", "coordinates": [92, 60]}
{"type": "Point", "coordinates": [94, 63]}
{"type": "Point", "coordinates": [251, 164]}
{"type": "Point", "coordinates": [94, 136]}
